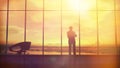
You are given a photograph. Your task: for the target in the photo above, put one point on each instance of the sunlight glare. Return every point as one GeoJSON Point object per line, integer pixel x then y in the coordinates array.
{"type": "Point", "coordinates": [79, 5]}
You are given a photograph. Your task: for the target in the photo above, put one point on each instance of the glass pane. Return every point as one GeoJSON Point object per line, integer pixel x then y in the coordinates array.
{"type": "Point", "coordinates": [76, 5]}
{"type": "Point", "coordinates": [2, 31]}
{"type": "Point", "coordinates": [17, 4]}
{"type": "Point", "coordinates": [107, 32]}
{"type": "Point", "coordinates": [34, 4]}
{"type": "Point", "coordinates": [52, 34]}
{"type": "Point", "coordinates": [16, 28]}
{"type": "Point", "coordinates": [34, 31]}
{"type": "Point", "coordinates": [106, 4]}
{"type": "Point", "coordinates": [88, 33]}
{"type": "Point", "coordinates": [3, 4]}
{"type": "Point", "coordinates": [117, 4]}
{"type": "Point", "coordinates": [69, 18]}
{"type": "Point", "coordinates": [52, 4]}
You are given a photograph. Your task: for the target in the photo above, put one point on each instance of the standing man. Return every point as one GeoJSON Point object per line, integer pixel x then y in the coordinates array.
{"type": "Point", "coordinates": [71, 40]}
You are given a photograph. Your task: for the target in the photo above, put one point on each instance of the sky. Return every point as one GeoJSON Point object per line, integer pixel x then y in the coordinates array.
{"type": "Point", "coordinates": [72, 10]}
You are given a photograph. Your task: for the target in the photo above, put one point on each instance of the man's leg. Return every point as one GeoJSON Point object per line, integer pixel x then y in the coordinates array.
{"type": "Point", "coordinates": [69, 48]}
{"type": "Point", "coordinates": [74, 49]}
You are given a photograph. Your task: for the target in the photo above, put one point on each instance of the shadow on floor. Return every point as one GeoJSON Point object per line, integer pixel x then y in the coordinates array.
{"type": "Point", "coordinates": [38, 61]}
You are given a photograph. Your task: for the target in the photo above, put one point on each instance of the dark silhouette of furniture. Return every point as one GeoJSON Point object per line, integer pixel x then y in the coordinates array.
{"type": "Point", "coordinates": [20, 48]}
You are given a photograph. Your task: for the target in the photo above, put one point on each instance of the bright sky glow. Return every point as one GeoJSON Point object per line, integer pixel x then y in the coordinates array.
{"type": "Point", "coordinates": [52, 21]}
{"type": "Point", "coordinates": [79, 5]}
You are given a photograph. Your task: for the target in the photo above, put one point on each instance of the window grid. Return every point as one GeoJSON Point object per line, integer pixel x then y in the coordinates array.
{"type": "Point", "coordinates": [61, 26]}
{"type": "Point", "coordinates": [79, 35]}
{"type": "Point", "coordinates": [115, 26]}
{"type": "Point", "coordinates": [43, 31]}
{"type": "Point", "coordinates": [7, 24]}
{"type": "Point", "coordinates": [25, 24]}
{"type": "Point", "coordinates": [97, 27]}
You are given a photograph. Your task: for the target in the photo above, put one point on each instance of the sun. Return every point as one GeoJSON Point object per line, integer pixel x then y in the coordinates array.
{"type": "Point", "coordinates": [79, 5]}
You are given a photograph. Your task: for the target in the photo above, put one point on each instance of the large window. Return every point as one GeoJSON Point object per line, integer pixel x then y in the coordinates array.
{"type": "Point", "coordinates": [45, 23]}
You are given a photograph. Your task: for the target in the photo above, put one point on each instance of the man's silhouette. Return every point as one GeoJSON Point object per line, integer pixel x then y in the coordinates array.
{"type": "Point", "coordinates": [71, 40]}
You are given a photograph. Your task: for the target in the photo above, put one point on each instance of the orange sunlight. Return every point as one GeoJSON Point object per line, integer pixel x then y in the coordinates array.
{"type": "Point", "coordinates": [80, 5]}
{"type": "Point", "coordinates": [52, 20]}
